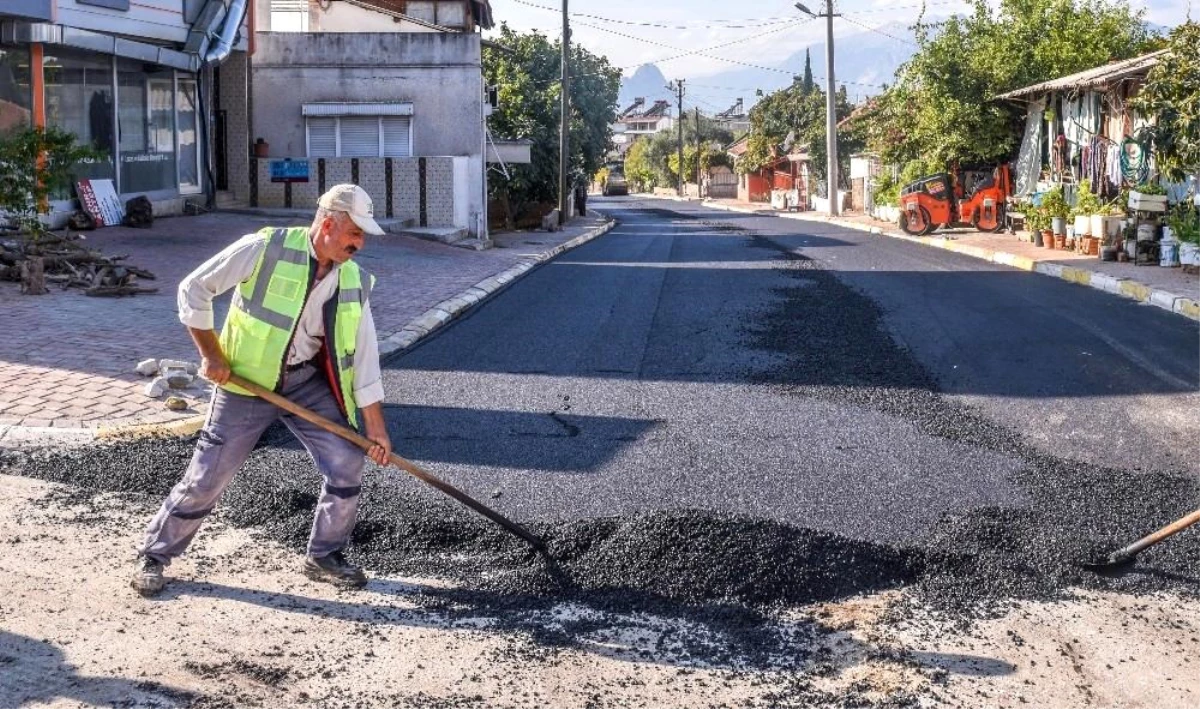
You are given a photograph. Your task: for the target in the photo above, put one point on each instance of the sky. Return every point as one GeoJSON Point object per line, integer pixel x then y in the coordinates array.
{"type": "Point", "coordinates": [759, 31]}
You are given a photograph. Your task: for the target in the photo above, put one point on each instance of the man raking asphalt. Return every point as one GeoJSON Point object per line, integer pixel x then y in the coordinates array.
{"type": "Point", "coordinates": [300, 324]}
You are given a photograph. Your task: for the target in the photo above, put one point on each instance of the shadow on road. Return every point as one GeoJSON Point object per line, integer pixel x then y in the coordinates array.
{"type": "Point", "coordinates": [35, 673]}
{"type": "Point", "coordinates": [554, 440]}
{"type": "Point", "coordinates": [696, 637]}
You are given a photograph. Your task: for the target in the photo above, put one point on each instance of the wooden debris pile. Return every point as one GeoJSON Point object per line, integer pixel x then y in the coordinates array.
{"type": "Point", "coordinates": [66, 260]}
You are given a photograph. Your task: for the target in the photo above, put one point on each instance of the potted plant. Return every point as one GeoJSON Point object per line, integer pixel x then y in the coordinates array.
{"type": "Point", "coordinates": [1085, 206]}
{"type": "Point", "coordinates": [1106, 223]}
{"type": "Point", "coordinates": [1184, 221]}
{"type": "Point", "coordinates": [1148, 197]}
{"type": "Point", "coordinates": [1057, 209]}
{"type": "Point", "coordinates": [1038, 222]}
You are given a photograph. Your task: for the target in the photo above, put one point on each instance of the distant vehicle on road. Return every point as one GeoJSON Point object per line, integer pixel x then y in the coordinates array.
{"type": "Point", "coordinates": [615, 183]}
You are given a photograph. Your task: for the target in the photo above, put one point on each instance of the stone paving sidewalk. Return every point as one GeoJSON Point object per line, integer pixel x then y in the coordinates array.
{"type": "Point", "coordinates": [1169, 288]}
{"type": "Point", "coordinates": [67, 360]}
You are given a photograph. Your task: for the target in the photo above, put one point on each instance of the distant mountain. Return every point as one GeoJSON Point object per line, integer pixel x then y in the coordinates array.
{"type": "Point", "coordinates": [863, 62]}
{"type": "Point", "coordinates": [647, 82]}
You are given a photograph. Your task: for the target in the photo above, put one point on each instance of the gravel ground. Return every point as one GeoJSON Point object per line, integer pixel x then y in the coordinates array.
{"type": "Point", "coordinates": [722, 441]}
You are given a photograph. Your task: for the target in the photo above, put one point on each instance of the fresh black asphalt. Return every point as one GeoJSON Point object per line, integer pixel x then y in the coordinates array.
{"type": "Point", "coordinates": [702, 406]}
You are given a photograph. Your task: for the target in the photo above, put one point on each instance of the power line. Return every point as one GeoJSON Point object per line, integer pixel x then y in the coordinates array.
{"type": "Point", "coordinates": [704, 53]}
{"type": "Point", "coordinates": [716, 23]}
{"type": "Point", "coordinates": [879, 31]}
{"type": "Point", "coordinates": [909, 7]}
{"type": "Point", "coordinates": [694, 52]}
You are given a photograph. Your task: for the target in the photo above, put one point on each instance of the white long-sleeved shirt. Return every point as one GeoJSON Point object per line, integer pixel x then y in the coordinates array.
{"type": "Point", "coordinates": [235, 264]}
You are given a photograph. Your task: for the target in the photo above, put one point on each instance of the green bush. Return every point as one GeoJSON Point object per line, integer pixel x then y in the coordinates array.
{"type": "Point", "coordinates": [887, 191]}
{"type": "Point", "coordinates": [1184, 221]}
{"type": "Point", "coordinates": [1153, 188]}
{"type": "Point", "coordinates": [1055, 204]}
{"type": "Point", "coordinates": [37, 163]}
{"type": "Point", "coordinates": [1087, 203]}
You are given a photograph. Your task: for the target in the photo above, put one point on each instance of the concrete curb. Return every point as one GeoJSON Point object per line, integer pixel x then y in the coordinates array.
{"type": "Point", "coordinates": [439, 315]}
{"type": "Point", "coordinates": [1122, 287]}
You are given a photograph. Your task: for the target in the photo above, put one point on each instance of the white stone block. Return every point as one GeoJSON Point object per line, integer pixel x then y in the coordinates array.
{"type": "Point", "coordinates": [1163, 299]}
{"type": "Point", "coordinates": [156, 388]}
{"type": "Point", "coordinates": [1105, 282]}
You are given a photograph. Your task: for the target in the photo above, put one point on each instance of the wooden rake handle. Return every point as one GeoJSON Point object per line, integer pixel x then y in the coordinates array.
{"type": "Point", "coordinates": [405, 465]}
{"type": "Point", "coordinates": [1151, 539]}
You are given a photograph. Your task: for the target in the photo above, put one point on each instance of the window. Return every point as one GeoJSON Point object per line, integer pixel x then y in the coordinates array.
{"type": "Point", "coordinates": [79, 99]}
{"type": "Point", "coordinates": [289, 15]}
{"type": "Point", "coordinates": [359, 130]}
{"type": "Point", "coordinates": [16, 96]}
{"type": "Point", "coordinates": [146, 126]}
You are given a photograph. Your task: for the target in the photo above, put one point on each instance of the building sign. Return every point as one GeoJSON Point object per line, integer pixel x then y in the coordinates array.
{"type": "Point", "coordinates": [99, 199]}
{"type": "Point", "coordinates": [289, 171]}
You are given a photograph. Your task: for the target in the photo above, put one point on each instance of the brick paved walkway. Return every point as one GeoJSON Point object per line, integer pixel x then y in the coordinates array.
{"type": "Point", "coordinates": [66, 360]}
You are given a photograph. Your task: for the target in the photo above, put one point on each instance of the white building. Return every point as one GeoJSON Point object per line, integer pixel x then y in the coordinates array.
{"type": "Point", "coordinates": [158, 87]}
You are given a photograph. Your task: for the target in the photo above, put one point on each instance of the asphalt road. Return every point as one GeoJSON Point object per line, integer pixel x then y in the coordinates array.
{"type": "Point", "coordinates": [789, 370]}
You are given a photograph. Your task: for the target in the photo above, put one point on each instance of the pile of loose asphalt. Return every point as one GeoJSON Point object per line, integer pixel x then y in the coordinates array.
{"type": "Point", "coordinates": [725, 568]}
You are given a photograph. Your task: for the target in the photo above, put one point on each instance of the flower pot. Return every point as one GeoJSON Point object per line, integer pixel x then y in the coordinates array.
{"type": "Point", "coordinates": [1037, 238]}
{"type": "Point", "coordinates": [1145, 231]}
{"type": "Point", "coordinates": [1131, 248]}
{"type": "Point", "coordinates": [1168, 254]}
{"type": "Point", "coordinates": [1058, 225]}
{"type": "Point", "coordinates": [1189, 254]}
{"type": "Point", "coordinates": [1060, 241]}
{"type": "Point", "coordinates": [1147, 202]}
{"type": "Point", "coordinates": [1104, 226]}
{"type": "Point", "coordinates": [262, 148]}
{"type": "Point", "coordinates": [1048, 238]}
{"type": "Point", "coordinates": [1083, 225]}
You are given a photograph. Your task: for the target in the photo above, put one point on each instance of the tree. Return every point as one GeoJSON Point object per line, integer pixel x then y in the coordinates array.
{"type": "Point", "coordinates": [638, 171]}
{"type": "Point", "coordinates": [941, 108]}
{"type": "Point", "coordinates": [1172, 96]}
{"type": "Point", "coordinates": [38, 163]}
{"type": "Point", "coordinates": [525, 68]}
{"type": "Point", "coordinates": [801, 115]}
{"type": "Point", "coordinates": [808, 77]}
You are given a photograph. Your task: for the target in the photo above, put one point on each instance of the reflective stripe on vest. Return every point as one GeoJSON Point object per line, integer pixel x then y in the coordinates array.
{"type": "Point", "coordinates": [266, 307]}
{"type": "Point", "coordinates": [351, 299]}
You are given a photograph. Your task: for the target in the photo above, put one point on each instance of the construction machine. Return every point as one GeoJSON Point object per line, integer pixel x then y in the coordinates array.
{"type": "Point", "coordinates": [965, 198]}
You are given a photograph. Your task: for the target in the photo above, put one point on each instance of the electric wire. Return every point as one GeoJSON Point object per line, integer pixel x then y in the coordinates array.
{"type": "Point", "coordinates": [717, 24]}
{"type": "Point", "coordinates": [878, 31]}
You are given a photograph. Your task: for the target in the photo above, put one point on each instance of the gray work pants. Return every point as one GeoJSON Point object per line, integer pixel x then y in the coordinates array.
{"type": "Point", "coordinates": [235, 423]}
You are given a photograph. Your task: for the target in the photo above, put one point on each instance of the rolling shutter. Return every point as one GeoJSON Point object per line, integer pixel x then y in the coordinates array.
{"type": "Point", "coordinates": [396, 143]}
{"type": "Point", "coordinates": [322, 137]}
{"type": "Point", "coordinates": [360, 136]}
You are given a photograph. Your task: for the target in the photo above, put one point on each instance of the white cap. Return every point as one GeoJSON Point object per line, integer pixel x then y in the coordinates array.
{"type": "Point", "coordinates": [355, 201]}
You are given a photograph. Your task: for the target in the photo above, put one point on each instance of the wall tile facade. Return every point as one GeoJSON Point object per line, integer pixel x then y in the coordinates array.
{"type": "Point", "coordinates": [372, 176]}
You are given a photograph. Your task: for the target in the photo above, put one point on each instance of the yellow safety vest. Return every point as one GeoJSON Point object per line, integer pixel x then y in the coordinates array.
{"type": "Point", "coordinates": [262, 319]}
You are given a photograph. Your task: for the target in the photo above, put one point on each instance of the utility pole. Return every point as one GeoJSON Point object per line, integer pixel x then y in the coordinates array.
{"type": "Point", "coordinates": [831, 171]}
{"type": "Point", "coordinates": [677, 87]}
{"type": "Point", "coordinates": [699, 181]}
{"type": "Point", "coordinates": [564, 142]}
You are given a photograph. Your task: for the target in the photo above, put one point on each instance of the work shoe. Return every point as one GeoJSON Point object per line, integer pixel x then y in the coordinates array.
{"type": "Point", "coordinates": [333, 568]}
{"type": "Point", "coordinates": [148, 580]}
